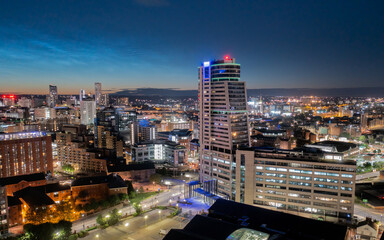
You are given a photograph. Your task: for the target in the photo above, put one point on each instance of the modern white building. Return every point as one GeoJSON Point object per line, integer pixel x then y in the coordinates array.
{"type": "Point", "coordinates": [53, 96]}
{"type": "Point", "coordinates": [82, 95]}
{"type": "Point", "coordinates": [87, 112]}
{"type": "Point", "coordinates": [98, 93]}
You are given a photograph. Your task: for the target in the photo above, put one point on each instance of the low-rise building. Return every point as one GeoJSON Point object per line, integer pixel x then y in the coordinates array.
{"type": "Point", "coordinates": [304, 182]}
{"type": "Point", "coordinates": [139, 172]}
{"type": "Point", "coordinates": [159, 151]}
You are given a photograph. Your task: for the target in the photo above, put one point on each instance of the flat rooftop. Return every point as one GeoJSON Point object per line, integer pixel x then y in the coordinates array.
{"type": "Point", "coordinates": [299, 154]}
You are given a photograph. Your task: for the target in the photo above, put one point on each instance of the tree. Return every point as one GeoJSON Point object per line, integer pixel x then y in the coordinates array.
{"type": "Point", "coordinates": [66, 211]}
{"type": "Point", "coordinates": [123, 196]}
{"type": "Point", "coordinates": [94, 204]}
{"type": "Point", "coordinates": [130, 187]}
{"type": "Point", "coordinates": [37, 215]}
{"type": "Point", "coordinates": [346, 135]}
{"type": "Point", "coordinates": [371, 140]}
{"type": "Point", "coordinates": [362, 138]}
{"type": "Point", "coordinates": [68, 168]}
{"type": "Point", "coordinates": [113, 200]}
{"type": "Point", "coordinates": [41, 231]}
{"type": "Point", "coordinates": [367, 164]}
{"type": "Point", "coordinates": [141, 189]}
{"type": "Point", "coordinates": [137, 208]}
{"type": "Point", "coordinates": [104, 203]}
{"type": "Point", "coordinates": [114, 217]}
{"type": "Point", "coordinates": [100, 220]}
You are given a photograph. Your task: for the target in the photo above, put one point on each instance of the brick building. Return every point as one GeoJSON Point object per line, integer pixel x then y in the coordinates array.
{"type": "Point", "coordinates": [25, 153]}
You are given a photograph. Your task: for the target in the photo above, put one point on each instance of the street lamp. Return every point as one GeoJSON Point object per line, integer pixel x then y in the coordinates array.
{"type": "Point", "coordinates": [126, 224]}
{"type": "Point", "coordinates": [97, 235]}
{"type": "Point", "coordinates": [145, 218]}
{"type": "Point", "coordinates": [159, 214]}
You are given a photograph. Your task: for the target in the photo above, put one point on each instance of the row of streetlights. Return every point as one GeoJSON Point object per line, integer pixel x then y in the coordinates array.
{"type": "Point", "coordinates": [127, 223]}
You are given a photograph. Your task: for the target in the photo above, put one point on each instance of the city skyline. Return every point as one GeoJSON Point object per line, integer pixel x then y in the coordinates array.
{"type": "Point", "coordinates": [156, 43]}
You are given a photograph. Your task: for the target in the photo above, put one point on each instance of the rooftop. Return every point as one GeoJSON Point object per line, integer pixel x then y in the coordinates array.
{"type": "Point", "coordinates": [231, 220]}
{"type": "Point", "coordinates": [21, 135]}
{"type": "Point", "coordinates": [34, 197]}
{"type": "Point", "coordinates": [300, 154]}
{"type": "Point", "coordinates": [340, 146]}
{"type": "Point", "coordinates": [113, 181]}
{"type": "Point", "coordinates": [131, 167]}
{"type": "Point", "coordinates": [16, 179]}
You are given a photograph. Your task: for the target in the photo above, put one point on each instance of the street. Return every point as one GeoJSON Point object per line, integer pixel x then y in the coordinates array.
{"type": "Point", "coordinates": [361, 211]}
{"type": "Point", "coordinates": [161, 199]}
{"type": "Point", "coordinates": [144, 227]}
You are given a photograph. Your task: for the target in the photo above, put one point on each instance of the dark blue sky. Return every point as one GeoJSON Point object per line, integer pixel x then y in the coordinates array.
{"type": "Point", "coordinates": [160, 43]}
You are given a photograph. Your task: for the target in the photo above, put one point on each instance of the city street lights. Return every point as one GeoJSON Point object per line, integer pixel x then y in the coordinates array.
{"type": "Point", "coordinates": [126, 225]}
{"type": "Point", "coordinates": [145, 218]}
{"type": "Point", "coordinates": [97, 235]}
{"type": "Point", "coordinates": [159, 214]}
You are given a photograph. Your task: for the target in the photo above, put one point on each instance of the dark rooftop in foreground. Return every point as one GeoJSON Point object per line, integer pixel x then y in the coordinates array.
{"type": "Point", "coordinates": [131, 167]}
{"type": "Point", "coordinates": [17, 179]}
{"type": "Point", "coordinates": [225, 217]}
{"type": "Point", "coordinates": [113, 181]}
{"type": "Point", "coordinates": [34, 197]}
{"type": "Point", "coordinates": [13, 201]}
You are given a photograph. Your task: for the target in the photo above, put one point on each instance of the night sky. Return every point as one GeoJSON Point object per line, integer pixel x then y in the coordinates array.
{"type": "Point", "coordinates": [160, 43]}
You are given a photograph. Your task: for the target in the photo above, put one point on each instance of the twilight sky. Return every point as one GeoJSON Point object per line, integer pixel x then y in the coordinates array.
{"type": "Point", "coordinates": [160, 43]}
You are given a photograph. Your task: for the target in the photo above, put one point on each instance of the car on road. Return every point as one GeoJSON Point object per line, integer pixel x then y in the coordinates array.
{"type": "Point", "coordinates": [163, 232]}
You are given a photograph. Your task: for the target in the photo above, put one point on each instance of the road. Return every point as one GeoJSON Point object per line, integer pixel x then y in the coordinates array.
{"type": "Point", "coordinates": [361, 211]}
{"type": "Point", "coordinates": [367, 175]}
{"type": "Point", "coordinates": [139, 228]}
{"type": "Point", "coordinates": [161, 199]}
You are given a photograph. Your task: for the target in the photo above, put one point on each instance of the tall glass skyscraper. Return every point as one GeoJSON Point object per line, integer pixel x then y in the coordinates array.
{"type": "Point", "coordinates": [53, 97]}
{"type": "Point", "coordinates": [223, 123]}
{"type": "Point", "coordinates": [98, 93]}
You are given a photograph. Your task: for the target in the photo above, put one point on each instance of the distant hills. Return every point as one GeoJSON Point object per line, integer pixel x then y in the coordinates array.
{"type": "Point", "coordinates": [321, 92]}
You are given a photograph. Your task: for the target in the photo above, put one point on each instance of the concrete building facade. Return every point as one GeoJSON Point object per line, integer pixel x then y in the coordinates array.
{"type": "Point", "coordinates": [307, 184]}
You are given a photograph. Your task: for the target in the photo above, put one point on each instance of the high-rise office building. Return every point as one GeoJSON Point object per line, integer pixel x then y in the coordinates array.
{"type": "Point", "coordinates": [97, 93]}
{"type": "Point", "coordinates": [87, 111]}
{"type": "Point", "coordinates": [82, 95]}
{"type": "Point", "coordinates": [104, 100]}
{"type": "Point", "coordinates": [53, 97]}
{"type": "Point", "coordinates": [223, 122]}
{"type": "Point", "coordinates": [25, 153]}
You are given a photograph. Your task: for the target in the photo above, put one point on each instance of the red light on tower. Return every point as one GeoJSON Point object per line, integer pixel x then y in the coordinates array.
{"type": "Point", "coordinates": [226, 57]}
